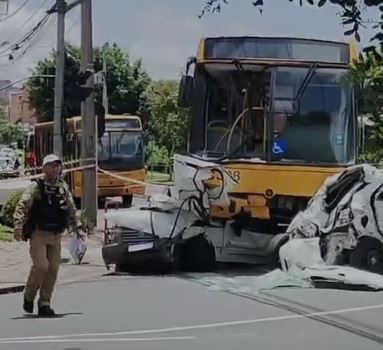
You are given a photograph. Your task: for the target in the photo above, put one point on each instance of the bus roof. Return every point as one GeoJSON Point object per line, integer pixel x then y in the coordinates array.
{"type": "Point", "coordinates": [284, 48]}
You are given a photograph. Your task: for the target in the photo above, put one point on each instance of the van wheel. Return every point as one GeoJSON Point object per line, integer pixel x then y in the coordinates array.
{"type": "Point", "coordinates": [101, 202]}
{"type": "Point", "coordinates": [196, 254]}
{"type": "Point", "coordinates": [127, 200]}
{"type": "Point", "coordinates": [368, 255]}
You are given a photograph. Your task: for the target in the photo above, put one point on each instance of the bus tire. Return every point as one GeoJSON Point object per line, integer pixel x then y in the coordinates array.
{"type": "Point", "coordinates": [368, 255]}
{"type": "Point", "coordinates": [127, 200]}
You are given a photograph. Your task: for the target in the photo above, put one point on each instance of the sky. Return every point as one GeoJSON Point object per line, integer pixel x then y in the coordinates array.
{"type": "Point", "coordinates": [163, 33]}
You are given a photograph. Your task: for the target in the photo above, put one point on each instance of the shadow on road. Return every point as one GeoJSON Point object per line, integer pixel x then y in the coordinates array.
{"type": "Point", "coordinates": [226, 270]}
{"type": "Point", "coordinates": [33, 317]}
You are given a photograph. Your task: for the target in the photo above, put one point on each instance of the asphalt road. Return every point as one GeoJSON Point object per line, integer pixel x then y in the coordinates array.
{"type": "Point", "coordinates": [154, 312]}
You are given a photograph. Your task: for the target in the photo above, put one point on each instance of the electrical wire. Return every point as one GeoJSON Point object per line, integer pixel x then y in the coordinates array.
{"type": "Point", "coordinates": [27, 36]}
{"type": "Point", "coordinates": [30, 17]}
{"type": "Point", "coordinates": [28, 44]}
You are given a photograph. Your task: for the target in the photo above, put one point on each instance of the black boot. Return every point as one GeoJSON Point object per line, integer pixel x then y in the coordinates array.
{"type": "Point", "coordinates": [28, 306]}
{"type": "Point", "coordinates": [46, 310]}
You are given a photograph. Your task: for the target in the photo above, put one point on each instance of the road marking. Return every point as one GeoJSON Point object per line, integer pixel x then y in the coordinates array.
{"type": "Point", "coordinates": [95, 340]}
{"type": "Point", "coordinates": [201, 326]}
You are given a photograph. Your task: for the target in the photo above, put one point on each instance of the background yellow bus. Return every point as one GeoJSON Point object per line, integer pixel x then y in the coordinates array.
{"type": "Point", "coordinates": [120, 151]}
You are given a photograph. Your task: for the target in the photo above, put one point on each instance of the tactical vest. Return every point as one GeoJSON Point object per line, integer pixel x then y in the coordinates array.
{"type": "Point", "coordinates": [50, 212]}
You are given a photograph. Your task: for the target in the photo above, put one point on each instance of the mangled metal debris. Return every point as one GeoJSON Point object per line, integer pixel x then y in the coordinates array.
{"type": "Point", "coordinates": [346, 214]}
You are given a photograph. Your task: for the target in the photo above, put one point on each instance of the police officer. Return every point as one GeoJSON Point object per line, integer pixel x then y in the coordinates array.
{"type": "Point", "coordinates": [43, 213]}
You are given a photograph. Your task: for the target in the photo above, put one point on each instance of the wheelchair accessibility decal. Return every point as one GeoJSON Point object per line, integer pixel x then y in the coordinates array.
{"type": "Point", "coordinates": [279, 147]}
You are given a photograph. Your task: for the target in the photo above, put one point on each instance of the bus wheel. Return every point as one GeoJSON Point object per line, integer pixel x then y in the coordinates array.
{"type": "Point", "coordinates": [127, 200]}
{"type": "Point", "coordinates": [368, 255]}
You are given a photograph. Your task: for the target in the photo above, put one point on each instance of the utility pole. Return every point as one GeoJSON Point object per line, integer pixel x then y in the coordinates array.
{"type": "Point", "coordinates": [59, 80]}
{"type": "Point", "coordinates": [88, 121]}
{"type": "Point", "coordinates": [104, 89]}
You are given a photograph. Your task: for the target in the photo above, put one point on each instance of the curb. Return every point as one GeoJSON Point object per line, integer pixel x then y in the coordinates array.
{"type": "Point", "coordinates": [12, 290]}
{"type": "Point", "coordinates": [20, 288]}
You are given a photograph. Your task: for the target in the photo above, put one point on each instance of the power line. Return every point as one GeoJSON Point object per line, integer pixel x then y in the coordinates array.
{"type": "Point", "coordinates": [35, 39]}
{"type": "Point", "coordinates": [26, 37]}
{"type": "Point", "coordinates": [15, 12]}
{"type": "Point", "coordinates": [32, 16]}
{"type": "Point", "coordinates": [10, 46]}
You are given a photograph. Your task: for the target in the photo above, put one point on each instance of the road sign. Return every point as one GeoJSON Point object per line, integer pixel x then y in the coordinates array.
{"type": "Point", "coordinates": [279, 147]}
{"type": "Point", "coordinates": [99, 78]}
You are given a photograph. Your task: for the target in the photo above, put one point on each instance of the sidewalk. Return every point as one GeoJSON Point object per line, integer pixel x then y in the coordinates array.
{"type": "Point", "coordinates": [15, 264]}
{"type": "Point", "coordinates": [15, 261]}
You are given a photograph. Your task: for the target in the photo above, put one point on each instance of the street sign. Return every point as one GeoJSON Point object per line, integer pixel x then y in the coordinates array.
{"type": "Point", "coordinates": [4, 5]}
{"type": "Point", "coordinates": [99, 78]}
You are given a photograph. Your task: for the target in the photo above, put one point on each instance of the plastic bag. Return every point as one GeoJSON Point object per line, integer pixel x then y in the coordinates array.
{"type": "Point", "coordinates": [77, 247]}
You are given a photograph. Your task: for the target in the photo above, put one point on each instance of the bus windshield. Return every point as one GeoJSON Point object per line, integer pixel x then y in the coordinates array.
{"type": "Point", "coordinates": [122, 149]}
{"type": "Point", "coordinates": [284, 114]}
{"type": "Point", "coordinates": [315, 124]}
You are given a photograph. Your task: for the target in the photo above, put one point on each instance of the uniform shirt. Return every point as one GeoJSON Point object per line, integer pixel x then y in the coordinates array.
{"type": "Point", "coordinates": [33, 193]}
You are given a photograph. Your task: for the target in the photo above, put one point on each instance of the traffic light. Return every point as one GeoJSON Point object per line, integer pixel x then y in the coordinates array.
{"type": "Point", "coordinates": [75, 79]}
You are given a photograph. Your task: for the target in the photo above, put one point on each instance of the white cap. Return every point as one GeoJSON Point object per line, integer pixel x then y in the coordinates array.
{"type": "Point", "coordinates": [51, 158]}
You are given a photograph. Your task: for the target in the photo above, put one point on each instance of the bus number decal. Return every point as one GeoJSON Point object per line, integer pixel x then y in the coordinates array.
{"type": "Point", "coordinates": [235, 174]}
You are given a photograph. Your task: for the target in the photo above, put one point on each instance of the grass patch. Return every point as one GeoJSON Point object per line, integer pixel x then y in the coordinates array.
{"type": "Point", "coordinates": [158, 177]}
{"type": "Point", "coordinates": [6, 234]}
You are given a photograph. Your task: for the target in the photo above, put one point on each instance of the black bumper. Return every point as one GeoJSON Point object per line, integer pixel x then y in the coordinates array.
{"type": "Point", "coordinates": [118, 254]}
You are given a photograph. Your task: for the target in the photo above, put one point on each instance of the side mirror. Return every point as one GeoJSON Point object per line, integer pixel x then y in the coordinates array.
{"type": "Point", "coordinates": [185, 92]}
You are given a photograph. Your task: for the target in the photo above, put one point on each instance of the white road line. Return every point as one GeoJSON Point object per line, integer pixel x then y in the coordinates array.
{"type": "Point", "coordinates": [202, 326]}
{"type": "Point", "coordinates": [95, 340]}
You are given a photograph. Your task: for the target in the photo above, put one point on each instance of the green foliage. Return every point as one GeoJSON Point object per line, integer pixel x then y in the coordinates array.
{"type": "Point", "coordinates": [165, 121]}
{"type": "Point", "coordinates": [9, 208]}
{"type": "Point", "coordinates": [6, 234]}
{"type": "Point", "coordinates": [367, 76]}
{"type": "Point", "coordinates": [157, 155]}
{"type": "Point", "coordinates": [126, 81]}
{"type": "Point", "coordinates": [375, 157]}
{"type": "Point", "coordinates": [10, 132]}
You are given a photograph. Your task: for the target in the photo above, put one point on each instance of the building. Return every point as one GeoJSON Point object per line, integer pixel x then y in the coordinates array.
{"type": "Point", "coordinates": [4, 92]}
{"type": "Point", "coordinates": [19, 108]}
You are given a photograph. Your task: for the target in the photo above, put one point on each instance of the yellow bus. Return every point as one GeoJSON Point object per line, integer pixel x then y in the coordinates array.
{"type": "Point", "coordinates": [280, 116]}
{"type": "Point", "coordinates": [120, 151]}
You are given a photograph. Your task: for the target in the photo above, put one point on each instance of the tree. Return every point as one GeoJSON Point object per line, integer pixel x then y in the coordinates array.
{"type": "Point", "coordinates": [352, 12]}
{"type": "Point", "coordinates": [367, 76]}
{"type": "Point", "coordinates": [126, 82]}
{"type": "Point", "coordinates": [164, 120]}
{"type": "Point", "coordinates": [9, 132]}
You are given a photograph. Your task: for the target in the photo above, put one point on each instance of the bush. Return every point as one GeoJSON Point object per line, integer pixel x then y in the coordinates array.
{"type": "Point", "coordinates": [9, 208]}
{"type": "Point", "coordinates": [157, 156]}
